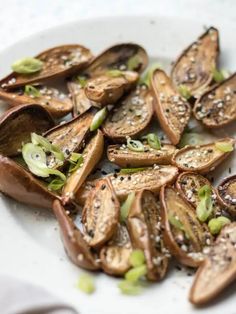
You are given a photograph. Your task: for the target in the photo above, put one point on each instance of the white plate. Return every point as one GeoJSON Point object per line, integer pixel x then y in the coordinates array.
{"type": "Point", "coordinates": [29, 240]}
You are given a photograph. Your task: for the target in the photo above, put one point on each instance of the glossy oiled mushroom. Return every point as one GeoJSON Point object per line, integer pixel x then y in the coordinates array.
{"type": "Point", "coordinates": [91, 155]}
{"type": "Point", "coordinates": [115, 255]}
{"type": "Point", "coordinates": [70, 136]}
{"type": "Point", "coordinates": [75, 246]}
{"type": "Point", "coordinates": [172, 110]}
{"type": "Point", "coordinates": [22, 186]}
{"type": "Point", "coordinates": [124, 157]}
{"type": "Point", "coordinates": [188, 185]}
{"type": "Point", "coordinates": [101, 213]}
{"type": "Point", "coordinates": [58, 61]}
{"type": "Point", "coordinates": [184, 235]}
{"type": "Point", "coordinates": [203, 158]}
{"type": "Point", "coordinates": [218, 269]}
{"type": "Point", "coordinates": [151, 179]}
{"type": "Point", "coordinates": [144, 225]}
{"type": "Point", "coordinates": [17, 124]}
{"type": "Point", "coordinates": [131, 116]}
{"type": "Point", "coordinates": [227, 194]}
{"type": "Point", "coordinates": [56, 102]}
{"type": "Point", "coordinates": [216, 108]}
{"type": "Point", "coordinates": [194, 67]}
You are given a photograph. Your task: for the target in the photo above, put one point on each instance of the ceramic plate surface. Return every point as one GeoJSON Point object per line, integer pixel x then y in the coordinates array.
{"type": "Point", "coordinates": [29, 238]}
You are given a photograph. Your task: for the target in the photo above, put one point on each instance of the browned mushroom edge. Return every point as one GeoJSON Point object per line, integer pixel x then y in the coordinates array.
{"type": "Point", "coordinates": [100, 213]}
{"type": "Point", "coordinates": [57, 103]}
{"type": "Point", "coordinates": [172, 110]}
{"type": "Point", "coordinates": [193, 235]}
{"type": "Point", "coordinates": [75, 246]}
{"type": "Point", "coordinates": [144, 225]}
{"type": "Point", "coordinates": [190, 158]}
{"type": "Point", "coordinates": [57, 62]}
{"type": "Point", "coordinates": [194, 67]}
{"type": "Point", "coordinates": [17, 124]}
{"type": "Point", "coordinates": [216, 107]}
{"type": "Point", "coordinates": [218, 269]}
{"type": "Point", "coordinates": [227, 194]}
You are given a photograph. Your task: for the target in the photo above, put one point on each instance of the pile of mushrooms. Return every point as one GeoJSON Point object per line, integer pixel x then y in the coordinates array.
{"type": "Point", "coordinates": [157, 203]}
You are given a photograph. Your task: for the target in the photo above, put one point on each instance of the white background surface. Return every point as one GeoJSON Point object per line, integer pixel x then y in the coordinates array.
{"type": "Point", "coordinates": [20, 18]}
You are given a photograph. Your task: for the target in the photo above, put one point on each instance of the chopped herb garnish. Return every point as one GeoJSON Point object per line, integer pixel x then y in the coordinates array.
{"type": "Point", "coordinates": [145, 79]}
{"type": "Point", "coordinates": [27, 66]}
{"type": "Point", "coordinates": [216, 224]}
{"type": "Point", "coordinates": [86, 284]}
{"type": "Point", "coordinates": [224, 147]}
{"type": "Point", "coordinates": [205, 206]}
{"type": "Point", "coordinates": [137, 258]}
{"type": "Point", "coordinates": [184, 91]}
{"type": "Point", "coordinates": [135, 145]}
{"type": "Point", "coordinates": [114, 73]}
{"type": "Point", "coordinates": [131, 170]}
{"type": "Point", "coordinates": [98, 119]}
{"type": "Point", "coordinates": [175, 222]}
{"type": "Point", "coordinates": [133, 63]}
{"type": "Point", "coordinates": [134, 274]}
{"type": "Point", "coordinates": [153, 141]}
{"type": "Point", "coordinates": [219, 75]}
{"type": "Point", "coordinates": [30, 90]}
{"type": "Point", "coordinates": [124, 210]}
{"type": "Point", "coordinates": [56, 184]}
{"type": "Point", "coordinates": [82, 80]}
{"type": "Point", "coordinates": [75, 161]}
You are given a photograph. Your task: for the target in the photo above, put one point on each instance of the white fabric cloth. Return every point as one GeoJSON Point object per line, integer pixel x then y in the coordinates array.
{"type": "Point", "coordinates": [18, 297]}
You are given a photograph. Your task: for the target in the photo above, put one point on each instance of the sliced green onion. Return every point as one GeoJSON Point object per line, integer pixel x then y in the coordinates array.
{"type": "Point", "coordinates": [135, 145]}
{"type": "Point", "coordinates": [137, 258]}
{"type": "Point", "coordinates": [146, 78]}
{"type": "Point", "coordinates": [82, 80]}
{"type": "Point", "coordinates": [86, 284]}
{"type": "Point", "coordinates": [216, 224]}
{"type": "Point", "coordinates": [47, 146]}
{"type": "Point", "coordinates": [131, 170]}
{"type": "Point", "coordinates": [175, 222]}
{"type": "Point", "coordinates": [224, 147]}
{"type": "Point", "coordinates": [56, 184]}
{"type": "Point", "coordinates": [129, 288]}
{"type": "Point", "coordinates": [134, 274]}
{"type": "Point", "coordinates": [133, 63]}
{"type": "Point", "coordinates": [75, 162]}
{"type": "Point", "coordinates": [205, 206]}
{"type": "Point", "coordinates": [27, 66]}
{"type": "Point", "coordinates": [75, 157]}
{"type": "Point", "coordinates": [30, 90]}
{"type": "Point", "coordinates": [192, 139]}
{"type": "Point", "coordinates": [98, 119]}
{"type": "Point", "coordinates": [184, 91]}
{"type": "Point", "coordinates": [115, 73]}
{"type": "Point", "coordinates": [219, 75]}
{"type": "Point", "coordinates": [124, 210]}
{"type": "Point", "coordinates": [153, 141]}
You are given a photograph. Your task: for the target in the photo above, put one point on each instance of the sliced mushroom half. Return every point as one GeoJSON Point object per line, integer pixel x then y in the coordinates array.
{"type": "Point", "coordinates": [115, 255]}
{"type": "Point", "coordinates": [131, 116]}
{"type": "Point", "coordinates": [194, 67]}
{"type": "Point", "coordinates": [189, 183]}
{"type": "Point", "coordinates": [101, 213]}
{"type": "Point", "coordinates": [91, 154]}
{"type": "Point", "coordinates": [227, 194]}
{"type": "Point", "coordinates": [203, 158]}
{"type": "Point", "coordinates": [172, 110]}
{"type": "Point", "coordinates": [150, 179]}
{"type": "Point", "coordinates": [22, 186]}
{"type": "Point", "coordinates": [218, 269]}
{"type": "Point", "coordinates": [216, 108]}
{"type": "Point", "coordinates": [17, 124]}
{"type": "Point", "coordinates": [144, 225]}
{"type": "Point", "coordinates": [124, 157]}
{"type": "Point", "coordinates": [184, 235]}
{"type": "Point", "coordinates": [58, 61]}
{"type": "Point", "coordinates": [56, 102]}
{"type": "Point", "coordinates": [75, 246]}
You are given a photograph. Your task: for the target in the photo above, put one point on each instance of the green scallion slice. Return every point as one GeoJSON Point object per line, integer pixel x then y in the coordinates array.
{"type": "Point", "coordinates": [27, 66]}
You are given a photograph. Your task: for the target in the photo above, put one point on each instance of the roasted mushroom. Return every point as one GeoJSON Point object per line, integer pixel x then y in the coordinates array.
{"type": "Point", "coordinates": [22, 186]}
{"type": "Point", "coordinates": [188, 185]}
{"type": "Point", "coordinates": [116, 253]}
{"type": "Point", "coordinates": [184, 235]}
{"type": "Point", "coordinates": [56, 102]}
{"type": "Point", "coordinates": [144, 225]}
{"type": "Point", "coordinates": [100, 213]}
{"type": "Point", "coordinates": [131, 116]}
{"type": "Point", "coordinates": [194, 67]}
{"type": "Point", "coordinates": [203, 158]}
{"type": "Point", "coordinates": [218, 269]}
{"type": "Point", "coordinates": [58, 61]}
{"type": "Point", "coordinates": [17, 124]}
{"type": "Point", "coordinates": [150, 179]}
{"type": "Point", "coordinates": [216, 107]}
{"type": "Point", "coordinates": [91, 155]}
{"type": "Point", "coordinates": [172, 110]}
{"type": "Point", "coordinates": [75, 246]}
{"type": "Point", "coordinates": [227, 194]}
{"type": "Point", "coordinates": [124, 157]}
